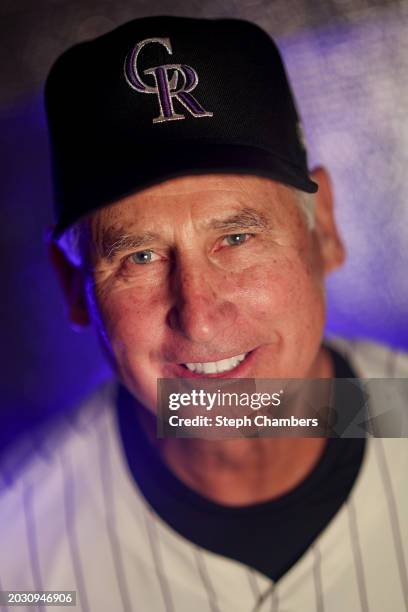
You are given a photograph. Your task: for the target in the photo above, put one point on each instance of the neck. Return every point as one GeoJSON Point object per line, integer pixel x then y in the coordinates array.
{"type": "Point", "coordinates": [242, 471]}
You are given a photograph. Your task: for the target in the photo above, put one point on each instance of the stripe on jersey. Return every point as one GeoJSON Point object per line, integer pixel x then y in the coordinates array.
{"type": "Point", "coordinates": [390, 496]}
{"type": "Point", "coordinates": [317, 578]}
{"type": "Point", "coordinates": [357, 556]}
{"type": "Point", "coordinates": [69, 515]}
{"type": "Point", "coordinates": [253, 583]}
{"type": "Point", "coordinates": [394, 520]}
{"type": "Point", "coordinates": [154, 545]}
{"type": "Point", "coordinates": [275, 601]}
{"type": "Point", "coordinates": [202, 569]}
{"type": "Point", "coordinates": [31, 537]}
{"type": "Point", "coordinates": [105, 468]}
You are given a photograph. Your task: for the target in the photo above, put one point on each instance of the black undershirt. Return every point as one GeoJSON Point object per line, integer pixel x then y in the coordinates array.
{"type": "Point", "coordinates": [269, 536]}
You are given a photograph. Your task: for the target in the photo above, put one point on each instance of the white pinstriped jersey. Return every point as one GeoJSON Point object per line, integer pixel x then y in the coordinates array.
{"type": "Point", "coordinates": [72, 518]}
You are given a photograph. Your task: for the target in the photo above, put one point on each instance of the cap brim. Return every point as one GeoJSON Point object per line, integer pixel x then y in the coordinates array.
{"type": "Point", "coordinates": [119, 178]}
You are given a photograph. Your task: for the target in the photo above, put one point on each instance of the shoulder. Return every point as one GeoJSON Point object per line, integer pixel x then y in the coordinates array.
{"type": "Point", "coordinates": [385, 464]}
{"type": "Point", "coordinates": [46, 477]}
{"type": "Point", "coordinates": [371, 359]}
{"type": "Point", "coordinates": [34, 453]}
{"type": "Point", "coordinates": [383, 373]}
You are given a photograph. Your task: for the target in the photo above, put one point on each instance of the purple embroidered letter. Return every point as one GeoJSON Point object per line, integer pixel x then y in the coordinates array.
{"type": "Point", "coordinates": [166, 86]}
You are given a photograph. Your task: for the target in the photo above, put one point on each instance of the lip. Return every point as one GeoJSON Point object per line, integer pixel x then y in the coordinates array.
{"type": "Point", "coordinates": [239, 370]}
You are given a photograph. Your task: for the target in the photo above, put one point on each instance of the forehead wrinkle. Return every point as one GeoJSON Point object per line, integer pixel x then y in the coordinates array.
{"type": "Point", "coordinates": [114, 239]}
{"type": "Point", "coordinates": [108, 241]}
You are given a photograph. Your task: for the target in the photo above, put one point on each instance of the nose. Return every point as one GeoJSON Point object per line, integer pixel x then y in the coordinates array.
{"type": "Point", "coordinates": [202, 306]}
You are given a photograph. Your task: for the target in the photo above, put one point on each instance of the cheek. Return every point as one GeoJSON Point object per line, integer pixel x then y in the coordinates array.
{"type": "Point", "coordinates": [128, 320]}
{"type": "Point", "coordinates": [284, 288]}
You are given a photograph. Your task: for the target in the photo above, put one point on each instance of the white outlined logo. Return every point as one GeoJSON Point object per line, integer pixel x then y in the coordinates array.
{"type": "Point", "coordinates": [167, 87]}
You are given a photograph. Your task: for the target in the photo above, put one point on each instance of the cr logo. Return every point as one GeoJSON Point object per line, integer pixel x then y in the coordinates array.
{"type": "Point", "coordinates": [167, 89]}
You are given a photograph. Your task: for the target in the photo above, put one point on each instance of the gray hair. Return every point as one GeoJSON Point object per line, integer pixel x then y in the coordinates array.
{"type": "Point", "coordinates": [71, 240]}
{"type": "Point", "coordinates": [307, 203]}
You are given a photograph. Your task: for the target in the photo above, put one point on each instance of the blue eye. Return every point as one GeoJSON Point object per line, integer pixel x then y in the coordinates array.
{"type": "Point", "coordinates": [236, 239]}
{"type": "Point", "coordinates": [142, 257]}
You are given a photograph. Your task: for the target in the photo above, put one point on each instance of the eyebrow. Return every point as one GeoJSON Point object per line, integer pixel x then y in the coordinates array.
{"type": "Point", "coordinates": [247, 218]}
{"type": "Point", "coordinates": [116, 239]}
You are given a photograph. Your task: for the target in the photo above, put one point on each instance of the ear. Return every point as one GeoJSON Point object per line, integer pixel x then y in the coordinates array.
{"type": "Point", "coordinates": [331, 246]}
{"type": "Point", "coordinates": [73, 283]}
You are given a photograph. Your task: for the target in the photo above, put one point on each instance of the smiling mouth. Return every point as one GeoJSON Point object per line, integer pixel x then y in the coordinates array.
{"type": "Point", "coordinates": [216, 367]}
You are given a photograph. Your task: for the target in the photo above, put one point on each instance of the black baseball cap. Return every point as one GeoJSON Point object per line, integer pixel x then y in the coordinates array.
{"type": "Point", "coordinates": [161, 97]}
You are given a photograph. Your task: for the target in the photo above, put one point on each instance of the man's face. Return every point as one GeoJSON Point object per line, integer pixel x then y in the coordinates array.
{"type": "Point", "coordinates": [200, 270]}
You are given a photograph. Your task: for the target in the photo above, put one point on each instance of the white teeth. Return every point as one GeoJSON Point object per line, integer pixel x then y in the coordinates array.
{"type": "Point", "coordinates": [213, 367]}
